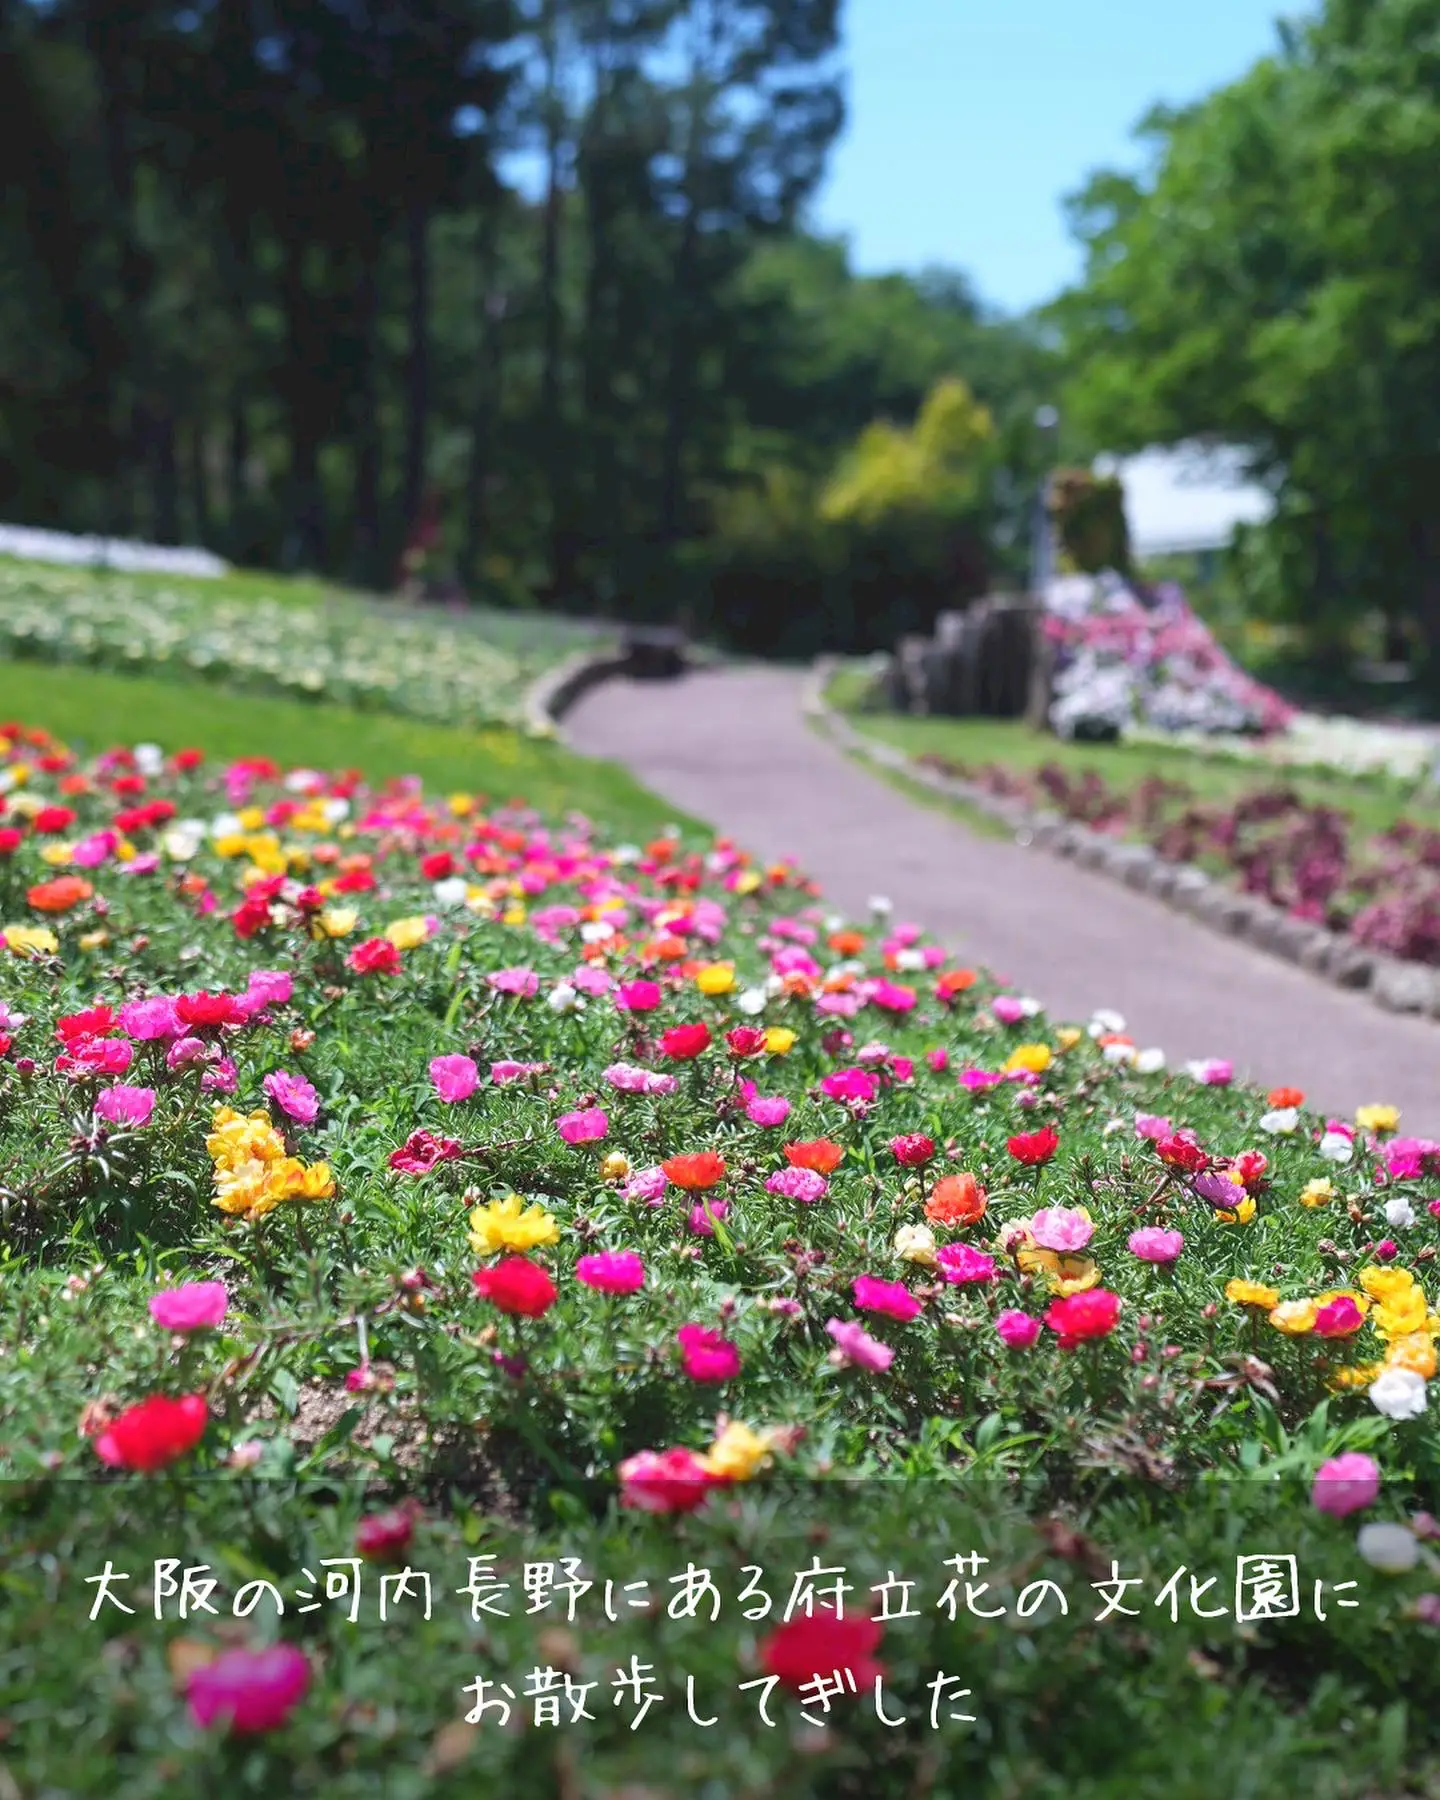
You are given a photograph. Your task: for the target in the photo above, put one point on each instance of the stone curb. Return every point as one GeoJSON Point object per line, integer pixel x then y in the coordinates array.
{"type": "Point", "coordinates": [552, 694]}
{"type": "Point", "coordinates": [1396, 986]}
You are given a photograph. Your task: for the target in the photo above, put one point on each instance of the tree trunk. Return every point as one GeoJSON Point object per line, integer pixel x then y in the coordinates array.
{"type": "Point", "coordinates": [678, 384]}
{"type": "Point", "coordinates": [165, 472]}
{"type": "Point", "coordinates": [305, 544]}
{"type": "Point", "coordinates": [365, 563]}
{"type": "Point", "coordinates": [562, 549]}
{"type": "Point", "coordinates": [486, 413]}
{"type": "Point", "coordinates": [417, 367]}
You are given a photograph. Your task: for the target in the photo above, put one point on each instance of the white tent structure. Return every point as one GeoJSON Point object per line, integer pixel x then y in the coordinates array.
{"type": "Point", "coordinates": [1186, 500]}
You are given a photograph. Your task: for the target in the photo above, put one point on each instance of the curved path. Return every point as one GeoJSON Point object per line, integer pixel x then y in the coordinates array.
{"type": "Point", "coordinates": [732, 746]}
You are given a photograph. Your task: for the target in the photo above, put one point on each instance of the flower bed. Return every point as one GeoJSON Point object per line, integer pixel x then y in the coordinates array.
{"type": "Point", "coordinates": [1382, 892]}
{"type": "Point", "coordinates": [623, 1192]}
{"type": "Point", "coordinates": [472, 672]}
{"type": "Point", "coordinates": [1125, 662]}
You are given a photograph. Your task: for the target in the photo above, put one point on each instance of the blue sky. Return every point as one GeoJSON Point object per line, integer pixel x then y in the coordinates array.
{"type": "Point", "coordinates": [970, 120]}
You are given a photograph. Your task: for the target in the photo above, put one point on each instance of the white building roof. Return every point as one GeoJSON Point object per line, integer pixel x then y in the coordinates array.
{"type": "Point", "coordinates": [1186, 499]}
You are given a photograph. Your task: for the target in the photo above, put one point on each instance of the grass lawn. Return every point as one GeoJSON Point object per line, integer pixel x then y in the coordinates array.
{"type": "Point", "coordinates": [92, 711]}
{"type": "Point", "coordinates": [1374, 802]}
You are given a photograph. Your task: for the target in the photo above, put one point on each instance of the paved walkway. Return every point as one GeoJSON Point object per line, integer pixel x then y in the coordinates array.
{"type": "Point", "coordinates": [732, 747]}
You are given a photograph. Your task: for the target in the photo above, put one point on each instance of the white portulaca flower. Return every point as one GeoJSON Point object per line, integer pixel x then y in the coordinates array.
{"type": "Point", "coordinates": [1281, 1122]}
{"type": "Point", "coordinates": [336, 809]}
{"type": "Point", "coordinates": [563, 998]}
{"type": "Point", "coordinates": [834, 922]}
{"type": "Point", "coordinates": [180, 844]}
{"type": "Point", "coordinates": [915, 1243]}
{"type": "Point", "coordinates": [910, 962]}
{"type": "Point", "coordinates": [1392, 1549]}
{"type": "Point", "coordinates": [1112, 1126]}
{"type": "Point", "coordinates": [452, 892]}
{"type": "Point", "coordinates": [1399, 1393]}
{"type": "Point", "coordinates": [626, 853]}
{"type": "Point", "coordinates": [881, 907]}
{"type": "Point", "coordinates": [1028, 1006]}
{"type": "Point", "coordinates": [1103, 1022]}
{"type": "Point", "coordinates": [753, 1001]}
{"type": "Point", "coordinates": [1149, 1062]}
{"type": "Point", "coordinates": [1399, 1214]}
{"type": "Point", "coordinates": [303, 781]}
{"type": "Point", "coordinates": [225, 825]}
{"type": "Point", "coordinates": [1336, 1147]}
{"type": "Point", "coordinates": [1124, 1054]}
{"type": "Point", "coordinates": [149, 759]}
{"type": "Point", "coordinates": [595, 931]}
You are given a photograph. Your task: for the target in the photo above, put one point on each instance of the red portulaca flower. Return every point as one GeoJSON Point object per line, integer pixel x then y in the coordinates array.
{"type": "Point", "coordinates": [249, 1691]}
{"type": "Point", "coordinates": [685, 1042]}
{"type": "Point", "coordinates": [516, 1285]}
{"type": "Point", "coordinates": [1079, 1317]}
{"type": "Point", "coordinates": [665, 1481]}
{"type": "Point", "coordinates": [376, 956]}
{"type": "Point", "coordinates": [913, 1150]}
{"type": "Point", "coordinates": [153, 1434]}
{"type": "Point", "coordinates": [695, 1171]}
{"type": "Point", "coordinates": [1032, 1148]}
{"type": "Point", "coordinates": [823, 1644]}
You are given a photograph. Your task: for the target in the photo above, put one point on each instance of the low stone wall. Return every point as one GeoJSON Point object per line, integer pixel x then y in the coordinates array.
{"type": "Point", "coordinates": [557, 690]}
{"type": "Point", "coordinates": [1402, 987]}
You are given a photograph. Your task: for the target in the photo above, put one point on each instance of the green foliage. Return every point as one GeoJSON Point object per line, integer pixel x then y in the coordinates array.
{"type": "Point", "coordinates": [1089, 516]}
{"type": "Point", "coordinates": [1267, 282]}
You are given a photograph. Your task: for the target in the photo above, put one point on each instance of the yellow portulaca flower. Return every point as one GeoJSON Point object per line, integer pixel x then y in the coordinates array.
{"type": "Point", "coordinates": [509, 1225]}
{"type": "Point", "coordinates": [1238, 1215]}
{"type": "Point", "coordinates": [230, 843]}
{"type": "Point", "coordinates": [615, 1167]}
{"type": "Point", "coordinates": [94, 940]}
{"type": "Point", "coordinates": [1361, 1301]}
{"type": "Point", "coordinates": [30, 940]}
{"type": "Point", "coordinates": [779, 1040]}
{"type": "Point", "coordinates": [1345, 1379]}
{"type": "Point", "coordinates": [1068, 1036]}
{"type": "Point", "coordinates": [1415, 1350]}
{"type": "Point", "coordinates": [1065, 1272]}
{"type": "Point", "coordinates": [407, 934]}
{"type": "Point", "coordinates": [513, 915]}
{"type": "Point", "coordinates": [1251, 1293]}
{"type": "Point", "coordinates": [748, 883]}
{"type": "Point", "coordinates": [1378, 1118]}
{"type": "Point", "coordinates": [461, 805]}
{"type": "Point", "coordinates": [1402, 1313]}
{"type": "Point", "coordinates": [738, 1453]}
{"type": "Point", "coordinates": [1037, 1058]}
{"type": "Point", "coordinates": [253, 1173]}
{"type": "Point", "coordinates": [338, 921]}
{"type": "Point", "coordinates": [58, 856]}
{"type": "Point", "coordinates": [716, 978]}
{"type": "Point", "coordinates": [1317, 1192]}
{"type": "Point", "coordinates": [1294, 1317]}
{"type": "Point", "coordinates": [1385, 1284]}
{"type": "Point", "coordinates": [251, 818]}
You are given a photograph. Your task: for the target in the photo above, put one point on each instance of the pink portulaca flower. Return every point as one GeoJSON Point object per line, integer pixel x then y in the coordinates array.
{"type": "Point", "coordinates": [455, 1078]}
{"type": "Point", "coordinates": [857, 1346]}
{"type": "Point", "coordinates": [612, 1272]}
{"type": "Point", "coordinates": [1152, 1126]}
{"type": "Point", "coordinates": [1017, 1330]}
{"type": "Point", "coordinates": [979, 1080]}
{"type": "Point", "coordinates": [767, 1110]}
{"type": "Point", "coordinates": [294, 1095]}
{"type": "Point", "coordinates": [648, 1185]}
{"type": "Point", "coordinates": [125, 1106]}
{"type": "Point", "coordinates": [706, 1214]}
{"type": "Point", "coordinates": [850, 1084]}
{"type": "Point", "coordinates": [805, 1185]}
{"type": "Point", "coordinates": [193, 1306]}
{"type": "Point", "coordinates": [1062, 1229]}
{"type": "Point", "coordinates": [1346, 1484]}
{"type": "Point", "coordinates": [507, 1071]}
{"type": "Point", "coordinates": [1153, 1244]}
{"type": "Point", "coordinates": [1007, 1009]}
{"type": "Point", "coordinates": [587, 1126]}
{"type": "Point", "coordinates": [939, 1061]}
{"type": "Point", "coordinates": [150, 1020]}
{"type": "Point", "coordinates": [638, 996]}
{"type": "Point", "coordinates": [587, 979]}
{"type": "Point", "coordinates": [521, 984]}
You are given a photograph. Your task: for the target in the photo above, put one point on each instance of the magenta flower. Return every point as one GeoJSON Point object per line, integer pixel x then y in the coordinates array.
{"type": "Point", "coordinates": [978, 1080]}
{"type": "Point", "coordinates": [590, 980]}
{"type": "Point", "coordinates": [850, 1084]}
{"type": "Point", "coordinates": [964, 1266]}
{"type": "Point", "coordinates": [611, 1271]}
{"type": "Point", "coordinates": [248, 1691]}
{"type": "Point", "coordinates": [505, 1071]}
{"type": "Point", "coordinates": [858, 1347]}
{"type": "Point", "coordinates": [705, 1355]}
{"type": "Point", "coordinates": [587, 1126]}
{"type": "Point", "coordinates": [892, 1298]}
{"type": "Point", "coordinates": [422, 1151]}
{"type": "Point", "coordinates": [1017, 1330]}
{"type": "Point", "coordinates": [1153, 1126]}
{"type": "Point", "coordinates": [1007, 1009]}
{"type": "Point", "coordinates": [805, 1185]}
{"type": "Point", "coordinates": [222, 1077]}
{"type": "Point", "coordinates": [939, 1061]}
{"type": "Point", "coordinates": [1346, 1484]}
{"type": "Point", "coordinates": [294, 1096]}
{"type": "Point", "coordinates": [125, 1106]}
{"type": "Point", "coordinates": [271, 987]}
{"type": "Point", "coordinates": [186, 1053]}
{"type": "Point", "coordinates": [1061, 1228]}
{"type": "Point", "coordinates": [455, 1077]}
{"type": "Point", "coordinates": [772, 1110]}
{"type": "Point", "coordinates": [148, 1020]}
{"type": "Point", "coordinates": [1152, 1244]}
{"type": "Point", "coordinates": [703, 1212]}
{"type": "Point", "coordinates": [638, 996]}
{"type": "Point", "coordinates": [193, 1306]}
